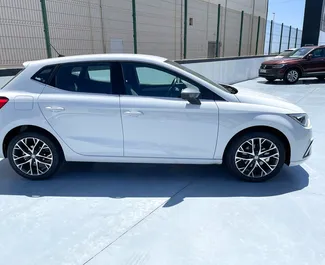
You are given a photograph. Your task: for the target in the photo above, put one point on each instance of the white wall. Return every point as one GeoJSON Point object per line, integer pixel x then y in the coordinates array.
{"type": "Point", "coordinates": [229, 72]}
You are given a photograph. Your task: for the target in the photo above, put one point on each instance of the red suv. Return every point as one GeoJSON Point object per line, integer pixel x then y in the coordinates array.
{"type": "Point", "coordinates": [304, 62]}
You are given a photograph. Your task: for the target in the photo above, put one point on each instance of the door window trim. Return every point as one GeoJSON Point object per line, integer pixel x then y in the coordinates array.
{"type": "Point", "coordinates": [216, 97]}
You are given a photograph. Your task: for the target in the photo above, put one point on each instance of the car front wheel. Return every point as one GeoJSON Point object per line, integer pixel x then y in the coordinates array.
{"type": "Point", "coordinates": [291, 76]}
{"type": "Point", "coordinates": [33, 156]}
{"type": "Point", "coordinates": [256, 156]}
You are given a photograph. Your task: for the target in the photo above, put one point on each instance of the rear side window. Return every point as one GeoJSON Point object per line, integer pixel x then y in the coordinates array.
{"type": "Point", "coordinates": [84, 78]}
{"type": "Point", "coordinates": [99, 73]}
{"type": "Point", "coordinates": [44, 74]}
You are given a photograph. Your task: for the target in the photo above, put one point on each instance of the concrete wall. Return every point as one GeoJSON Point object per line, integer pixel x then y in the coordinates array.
{"type": "Point", "coordinates": [229, 71]}
{"type": "Point", "coordinates": [97, 26]}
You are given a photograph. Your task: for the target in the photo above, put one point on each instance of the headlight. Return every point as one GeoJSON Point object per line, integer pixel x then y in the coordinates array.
{"type": "Point", "coordinates": [278, 65]}
{"type": "Point", "coordinates": [301, 118]}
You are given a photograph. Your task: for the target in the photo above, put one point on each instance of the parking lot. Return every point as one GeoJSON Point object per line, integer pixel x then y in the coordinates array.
{"type": "Point", "coordinates": [120, 214]}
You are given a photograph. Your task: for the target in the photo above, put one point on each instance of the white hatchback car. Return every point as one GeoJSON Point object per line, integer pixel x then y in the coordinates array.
{"type": "Point", "coordinates": [143, 109]}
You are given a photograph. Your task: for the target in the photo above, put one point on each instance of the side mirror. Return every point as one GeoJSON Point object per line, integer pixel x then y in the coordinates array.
{"type": "Point", "coordinates": [309, 56]}
{"type": "Point", "coordinates": [191, 95]}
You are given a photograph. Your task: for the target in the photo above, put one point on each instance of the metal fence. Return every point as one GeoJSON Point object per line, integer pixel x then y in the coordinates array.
{"type": "Point", "coordinates": [280, 37]}
{"type": "Point", "coordinates": [175, 29]}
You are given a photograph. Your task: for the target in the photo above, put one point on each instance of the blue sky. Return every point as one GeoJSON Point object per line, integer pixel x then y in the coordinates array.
{"type": "Point", "coordinates": [289, 12]}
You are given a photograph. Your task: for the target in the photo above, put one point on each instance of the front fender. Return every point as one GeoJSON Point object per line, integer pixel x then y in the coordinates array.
{"type": "Point", "coordinates": [232, 123]}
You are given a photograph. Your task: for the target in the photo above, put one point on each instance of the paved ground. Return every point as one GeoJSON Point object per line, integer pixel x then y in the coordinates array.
{"type": "Point", "coordinates": [157, 215]}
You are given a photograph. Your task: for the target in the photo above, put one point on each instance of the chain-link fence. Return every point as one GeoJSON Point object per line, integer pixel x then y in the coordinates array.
{"type": "Point", "coordinates": [280, 37]}
{"type": "Point", "coordinates": [174, 29]}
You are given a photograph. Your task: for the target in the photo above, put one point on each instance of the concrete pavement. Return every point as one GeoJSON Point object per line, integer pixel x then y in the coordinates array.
{"type": "Point", "coordinates": [120, 214]}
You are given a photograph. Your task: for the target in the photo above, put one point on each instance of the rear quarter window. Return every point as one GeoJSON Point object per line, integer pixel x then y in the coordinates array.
{"type": "Point", "coordinates": [44, 74]}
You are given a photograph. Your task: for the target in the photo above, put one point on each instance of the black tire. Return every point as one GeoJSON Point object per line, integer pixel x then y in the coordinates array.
{"type": "Point", "coordinates": [230, 157]}
{"type": "Point", "coordinates": [291, 76]}
{"type": "Point", "coordinates": [54, 153]}
{"type": "Point", "coordinates": [270, 79]}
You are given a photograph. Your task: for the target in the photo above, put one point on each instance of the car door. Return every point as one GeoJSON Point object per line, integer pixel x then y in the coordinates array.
{"type": "Point", "coordinates": [157, 123]}
{"type": "Point", "coordinates": [316, 64]}
{"type": "Point", "coordinates": [80, 105]}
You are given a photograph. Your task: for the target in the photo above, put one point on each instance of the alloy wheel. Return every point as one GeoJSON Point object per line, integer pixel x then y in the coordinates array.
{"type": "Point", "coordinates": [257, 157]}
{"type": "Point", "coordinates": [32, 156]}
{"type": "Point", "coordinates": [292, 76]}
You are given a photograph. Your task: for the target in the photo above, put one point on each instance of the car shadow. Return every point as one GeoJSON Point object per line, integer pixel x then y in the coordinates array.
{"type": "Point", "coordinates": [143, 180]}
{"type": "Point", "coordinates": [300, 82]}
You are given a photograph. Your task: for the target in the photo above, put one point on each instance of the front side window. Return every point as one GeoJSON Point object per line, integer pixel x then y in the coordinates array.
{"type": "Point", "coordinates": [151, 76]}
{"type": "Point", "coordinates": [85, 78]}
{"type": "Point", "coordinates": [186, 69]}
{"type": "Point", "coordinates": [318, 53]}
{"type": "Point", "coordinates": [152, 81]}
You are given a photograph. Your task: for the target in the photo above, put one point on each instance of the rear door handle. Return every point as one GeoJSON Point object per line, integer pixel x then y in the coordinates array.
{"type": "Point", "coordinates": [55, 109]}
{"type": "Point", "coordinates": [133, 113]}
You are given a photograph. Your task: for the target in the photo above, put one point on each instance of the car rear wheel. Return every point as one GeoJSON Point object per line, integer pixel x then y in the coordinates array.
{"type": "Point", "coordinates": [255, 157]}
{"type": "Point", "coordinates": [270, 79]}
{"type": "Point", "coordinates": [291, 76]}
{"type": "Point", "coordinates": [34, 156]}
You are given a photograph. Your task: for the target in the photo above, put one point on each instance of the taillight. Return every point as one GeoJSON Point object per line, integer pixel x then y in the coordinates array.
{"type": "Point", "coordinates": [3, 101]}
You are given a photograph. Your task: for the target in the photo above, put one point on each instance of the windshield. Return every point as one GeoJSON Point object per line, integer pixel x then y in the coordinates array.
{"type": "Point", "coordinates": [286, 53]}
{"type": "Point", "coordinates": [300, 53]}
{"type": "Point", "coordinates": [198, 75]}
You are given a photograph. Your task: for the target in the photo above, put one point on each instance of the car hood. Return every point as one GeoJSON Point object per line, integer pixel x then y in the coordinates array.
{"type": "Point", "coordinates": [281, 61]}
{"type": "Point", "coordinates": [252, 97]}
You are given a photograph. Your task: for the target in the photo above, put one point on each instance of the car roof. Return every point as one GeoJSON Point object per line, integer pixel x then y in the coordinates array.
{"type": "Point", "coordinates": [96, 57]}
{"type": "Point", "coordinates": [311, 46]}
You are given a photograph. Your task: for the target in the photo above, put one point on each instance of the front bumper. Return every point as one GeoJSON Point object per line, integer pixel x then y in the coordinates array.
{"type": "Point", "coordinates": [272, 73]}
{"type": "Point", "coordinates": [307, 153]}
{"type": "Point", "coordinates": [309, 148]}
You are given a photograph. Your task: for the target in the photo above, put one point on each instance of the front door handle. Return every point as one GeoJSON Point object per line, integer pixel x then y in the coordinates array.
{"type": "Point", "coordinates": [55, 109]}
{"type": "Point", "coordinates": [133, 113]}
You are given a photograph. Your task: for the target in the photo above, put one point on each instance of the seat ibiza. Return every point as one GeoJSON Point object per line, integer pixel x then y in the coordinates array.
{"type": "Point", "coordinates": [143, 109]}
